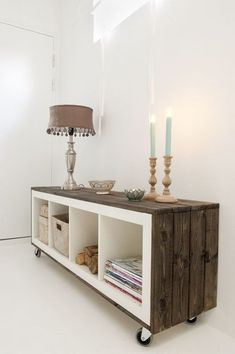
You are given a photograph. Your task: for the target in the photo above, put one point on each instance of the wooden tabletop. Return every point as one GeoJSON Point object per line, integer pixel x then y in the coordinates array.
{"type": "Point", "coordinates": [119, 200]}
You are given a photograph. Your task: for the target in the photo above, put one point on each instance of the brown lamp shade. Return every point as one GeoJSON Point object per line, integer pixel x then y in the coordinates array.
{"type": "Point", "coordinates": [71, 120]}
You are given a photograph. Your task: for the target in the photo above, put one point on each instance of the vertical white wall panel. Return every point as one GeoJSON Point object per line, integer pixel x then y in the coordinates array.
{"type": "Point", "coordinates": [25, 148]}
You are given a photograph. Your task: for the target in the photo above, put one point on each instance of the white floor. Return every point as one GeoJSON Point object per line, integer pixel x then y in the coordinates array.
{"type": "Point", "coordinates": [45, 309]}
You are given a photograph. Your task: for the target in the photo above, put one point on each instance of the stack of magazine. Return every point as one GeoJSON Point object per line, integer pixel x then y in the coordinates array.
{"type": "Point", "coordinates": [126, 276]}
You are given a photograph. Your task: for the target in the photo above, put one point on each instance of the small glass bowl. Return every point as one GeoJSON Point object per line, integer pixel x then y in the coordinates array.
{"type": "Point", "coordinates": [134, 195]}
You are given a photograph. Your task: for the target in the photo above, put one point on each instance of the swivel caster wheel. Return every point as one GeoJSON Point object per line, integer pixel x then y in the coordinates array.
{"type": "Point", "coordinates": [144, 336]}
{"type": "Point", "coordinates": [37, 252]}
{"type": "Point", "coordinates": [192, 320]}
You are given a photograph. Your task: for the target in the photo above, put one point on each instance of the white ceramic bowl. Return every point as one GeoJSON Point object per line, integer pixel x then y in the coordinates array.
{"type": "Point", "coordinates": [102, 187]}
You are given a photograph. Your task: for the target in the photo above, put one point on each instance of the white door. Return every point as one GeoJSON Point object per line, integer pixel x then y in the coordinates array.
{"type": "Point", "coordinates": [25, 152]}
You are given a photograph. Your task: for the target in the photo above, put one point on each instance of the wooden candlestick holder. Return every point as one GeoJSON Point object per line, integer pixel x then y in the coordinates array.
{"type": "Point", "coordinates": [152, 195]}
{"type": "Point", "coordinates": [166, 196]}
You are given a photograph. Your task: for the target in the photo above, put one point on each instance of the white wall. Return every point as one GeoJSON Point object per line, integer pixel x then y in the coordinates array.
{"type": "Point", "coordinates": [26, 65]}
{"type": "Point", "coordinates": [36, 15]}
{"type": "Point", "coordinates": [195, 74]}
{"type": "Point", "coordinates": [78, 77]}
{"type": "Point", "coordinates": [123, 146]}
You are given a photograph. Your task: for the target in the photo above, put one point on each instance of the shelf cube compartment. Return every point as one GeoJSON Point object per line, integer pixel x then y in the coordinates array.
{"type": "Point", "coordinates": [40, 223]}
{"type": "Point", "coordinates": [83, 231]}
{"type": "Point", "coordinates": [118, 239]}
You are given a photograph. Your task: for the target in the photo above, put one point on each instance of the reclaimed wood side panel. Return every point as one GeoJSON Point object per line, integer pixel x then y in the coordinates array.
{"type": "Point", "coordinates": [197, 263]}
{"type": "Point", "coordinates": [162, 258]}
{"type": "Point", "coordinates": [180, 296]}
{"type": "Point", "coordinates": [211, 258]}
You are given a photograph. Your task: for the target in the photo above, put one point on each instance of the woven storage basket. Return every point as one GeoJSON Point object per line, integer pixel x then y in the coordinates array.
{"type": "Point", "coordinates": [44, 210]}
{"type": "Point", "coordinates": [43, 229]}
{"type": "Point", "coordinates": [60, 233]}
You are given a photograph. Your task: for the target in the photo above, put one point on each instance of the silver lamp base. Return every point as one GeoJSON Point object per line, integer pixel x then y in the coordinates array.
{"type": "Point", "coordinates": [70, 158]}
{"type": "Point", "coordinates": [70, 184]}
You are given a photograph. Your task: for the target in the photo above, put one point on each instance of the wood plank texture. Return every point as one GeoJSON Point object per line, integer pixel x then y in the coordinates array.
{"type": "Point", "coordinates": [162, 254]}
{"type": "Point", "coordinates": [197, 263]}
{"type": "Point", "coordinates": [211, 259]}
{"type": "Point", "coordinates": [119, 200]}
{"type": "Point", "coordinates": [180, 268]}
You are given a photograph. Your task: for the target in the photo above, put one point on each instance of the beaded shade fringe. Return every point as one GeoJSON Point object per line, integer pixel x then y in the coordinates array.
{"type": "Point", "coordinates": [71, 131]}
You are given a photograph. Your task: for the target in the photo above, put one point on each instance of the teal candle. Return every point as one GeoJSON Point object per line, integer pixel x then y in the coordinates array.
{"type": "Point", "coordinates": [168, 136]}
{"type": "Point", "coordinates": [152, 137]}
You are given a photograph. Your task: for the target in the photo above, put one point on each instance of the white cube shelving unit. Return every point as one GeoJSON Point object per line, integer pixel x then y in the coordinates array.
{"type": "Point", "coordinates": [178, 243]}
{"type": "Point", "coordinates": [119, 233]}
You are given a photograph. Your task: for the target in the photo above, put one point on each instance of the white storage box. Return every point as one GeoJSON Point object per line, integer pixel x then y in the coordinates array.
{"type": "Point", "coordinates": [43, 229]}
{"type": "Point", "coordinates": [60, 233]}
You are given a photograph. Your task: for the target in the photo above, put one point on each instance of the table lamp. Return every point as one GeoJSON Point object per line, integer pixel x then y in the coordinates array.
{"type": "Point", "coordinates": [71, 121]}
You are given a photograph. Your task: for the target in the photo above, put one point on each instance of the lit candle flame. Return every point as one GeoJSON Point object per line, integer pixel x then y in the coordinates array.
{"type": "Point", "coordinates": [169, 112]}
